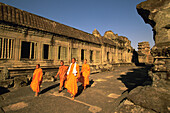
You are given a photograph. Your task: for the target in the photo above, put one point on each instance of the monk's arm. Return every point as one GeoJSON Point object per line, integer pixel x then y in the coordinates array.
{"type": "Point", "coordinates": [88, 69]}
{"type": "Point", "coordinates": [33, 75]}
{"type": "Point", "coordinates": [82, 70]}
{"type": "Point", "coordinates": [41, 75]}
{"type": "Point", "coordinates": [78, 73]}
{"type": "Point", "coordinates": [57, 73]}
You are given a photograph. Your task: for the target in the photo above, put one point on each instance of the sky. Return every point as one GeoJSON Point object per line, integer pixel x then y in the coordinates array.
{"type": "Point", "coordinates": [120, 16]}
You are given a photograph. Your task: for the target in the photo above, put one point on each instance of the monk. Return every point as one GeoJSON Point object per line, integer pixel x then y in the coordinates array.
{"type": "Point", "coordinates": [84, 74]}
{"type": "Point", "coordinates": [62, 74]}
{"type": "Point", "coordinates": [37, 79]}
{"type": "Point", "coordinates": [72, 78]}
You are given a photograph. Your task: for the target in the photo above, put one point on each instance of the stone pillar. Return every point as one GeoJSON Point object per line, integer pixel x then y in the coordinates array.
{"type": "Point", "coordinates": [116, 54]}
{"type": "Point", "coordinates": [88, 55]}
{"type": "Point", "coordinates": [94, 56]}
{"type": "Point", "coordinates": [103, 54]}
{"type": "Point", "coordinates": [79, 55]}
{"type": "Point", "coordinates": [30, 50]}
{"type": "Point", "coordinates": [35, 50]}
{"type": "Point", "coordinates": [125, 55]}
{"type": "Point", "coordinates": [69, 52]}
{"type": "Point", "coordinates": [49, 52]}
{"type": "Point", "coordinates": [5, 45]}
{"type": "Point", "coordinates": [12, 47]}
{"type": "Point", "coordinates": [2, 52]}
{"type": "Point", "coordinates": [119, 55]}
{"type": "Point", "coordinates": [55, 54]}
{"type": "Point", "coordinates": [39, 51]}
{"type": "Point", "coordinates": [16, 49]}
{"type": "Point", "coordinates": [8, 49]}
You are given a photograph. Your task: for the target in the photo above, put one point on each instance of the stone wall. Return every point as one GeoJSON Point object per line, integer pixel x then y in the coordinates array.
{"type": "Point", "coordinates": [153, 96]}
{"type": "Point", "coordinates": [156, 13]}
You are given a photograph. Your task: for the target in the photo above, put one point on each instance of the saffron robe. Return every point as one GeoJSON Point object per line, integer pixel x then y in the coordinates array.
{"type": "Point", "coordinates": [85, 73]}
{"type": "Point", "coordinates": [37, 79]}
{"type": "Point", "coordinates": [62, 74]}
{"type": "Point", "coordinates": [71, 82]}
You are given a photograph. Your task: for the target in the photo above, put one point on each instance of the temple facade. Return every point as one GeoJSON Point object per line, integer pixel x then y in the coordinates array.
{"type": "Point", "coordinates": [27, 39]}
{"type": "Point", "coordinates": [144, 53]}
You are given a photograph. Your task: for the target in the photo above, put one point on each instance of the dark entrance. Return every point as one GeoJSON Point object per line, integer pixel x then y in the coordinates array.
{"type": "Point", "coordinates": [46, 48]}
{"type": "Point", "coordinates": [82, 54]}
{"type": "Point", "coordinates": [25, 49]}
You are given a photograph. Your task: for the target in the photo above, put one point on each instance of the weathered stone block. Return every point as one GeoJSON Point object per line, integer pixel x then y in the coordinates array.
{"type": "Point", "coordinates": [20, 81]}
{"type": "Point", "coordinates": [48, 77]}
{"type": "Point", "coordinates": [150, 98]}
{"type": "Point", "coordinates": [4, 74]}
{"type": "Point", "coordinates": [6, 83]}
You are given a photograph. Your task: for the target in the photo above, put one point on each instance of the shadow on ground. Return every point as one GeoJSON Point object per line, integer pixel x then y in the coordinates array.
{"type": "Point", "coordinates": [3, 90]}
{"type": "Point", "coordinates": [80, 88]}
{"type": "Point", "coordinates": [136, 77]}
{"type": "Point", "coordinates": [49, 88]}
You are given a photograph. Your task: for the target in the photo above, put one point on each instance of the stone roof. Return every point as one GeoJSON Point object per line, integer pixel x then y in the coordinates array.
{"type": "Point", "coordinates": [108, 41]}
{"type": "Point", "coordinates": [19, 17]}
{"type": "Point", "coordinates": [96, 33]}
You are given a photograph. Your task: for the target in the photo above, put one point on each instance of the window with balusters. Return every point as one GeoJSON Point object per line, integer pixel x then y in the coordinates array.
{"type": "Point", "coordinates": [6, 48]}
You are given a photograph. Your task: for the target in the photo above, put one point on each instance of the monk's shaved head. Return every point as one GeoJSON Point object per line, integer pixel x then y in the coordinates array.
{"type": "Point", "coordinates": [85, 61]}
{"type": "Point", "coordinates": [73, 60]}
{"type": "Point", "coordinates": [38, 66]}
{"type": "Point", "coordinates": [62, 62]}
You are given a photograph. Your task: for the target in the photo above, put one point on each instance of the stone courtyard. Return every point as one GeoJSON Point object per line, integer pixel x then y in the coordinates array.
{"type": "Point", "coordinates": [106, 92]}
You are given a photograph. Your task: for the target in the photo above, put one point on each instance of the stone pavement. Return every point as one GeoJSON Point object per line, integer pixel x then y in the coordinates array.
{"type": "Point", "coordinates": [105, 93]}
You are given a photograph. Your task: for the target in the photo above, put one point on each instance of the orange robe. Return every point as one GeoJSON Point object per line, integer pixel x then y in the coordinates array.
{"type": "Point", "coordinates": [62, 74]}
{"type": "Point", "coordinates": [37, 79]}
{"type": "Point", "coordinates": [71, 82]}
{"type": "Point", "coordinates": [85, 73]}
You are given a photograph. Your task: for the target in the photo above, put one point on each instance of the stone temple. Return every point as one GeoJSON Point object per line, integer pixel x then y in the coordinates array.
{"type": "Point", "coordinates": [144, 53]}
{"type": "Point", "coordinates": [27, 39]}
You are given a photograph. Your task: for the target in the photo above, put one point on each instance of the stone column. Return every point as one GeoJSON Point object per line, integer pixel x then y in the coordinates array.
{"type": "Point", "coordinates": [79, 55]}
{"type": "Point", "coordinates": [55, 53]}
{"type": "Point", "coordinates": [49, 52]}
{"type": "Point", "coordinates": [2, 53]}
{"type": "Point", "coordinates": [88, 55]}
{"type": "Point", "coordinates": [94, 56]}
{"type": "Point", "coordinates": [103, 54]}
{"type": "Point", "coordinates": [35, 50]}
{"type": "Point", "coordinates": [8, 49]}
{"type": "Point", "coordinates": [69, 52]}
{"type": "Point", "coordinates": [30, 50]}
{"type": "Point", "coordinates": [12, 49]}
{"type": "Point", "coordinates": [16, 49]}
{"type": "Point", "coordinates": [39, 51]}
{"type": "Point", "coordinates": [5, 49]}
